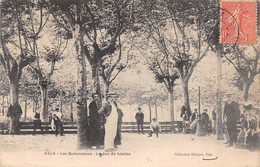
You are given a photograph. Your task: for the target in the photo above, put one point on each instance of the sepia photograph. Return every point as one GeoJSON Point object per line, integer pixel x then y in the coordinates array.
{"type": "Point", "coordinates": [129, 83]}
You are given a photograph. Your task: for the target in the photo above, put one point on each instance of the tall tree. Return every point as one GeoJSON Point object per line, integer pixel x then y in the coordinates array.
{"type": "Point", "coordinates": [95, 27]}
{"type": "Point", "coordinates": [50, 55]}
{"type": "Point", "coordinates": [164, 71]}
{"type": "Point", "coordinates": [246, 62]}
{"type": "Point", "coordinates": [101, 25]}
{"type": "Point", "coordinates": [17, 46]}
{"type": "Point", "coordinates": [179, 33]}
{"type": "Point", "coordinates": [111, 66]}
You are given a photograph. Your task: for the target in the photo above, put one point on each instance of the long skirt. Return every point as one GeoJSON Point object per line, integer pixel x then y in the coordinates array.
{"type": "Point", "coordinates": [111, 129]}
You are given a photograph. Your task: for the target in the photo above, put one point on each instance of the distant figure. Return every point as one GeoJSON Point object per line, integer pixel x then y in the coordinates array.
{"type": "Point", "coordinates": [231, 114]}
{"type": "Point", "coordinates": [183, 109]}
{"type": "Point", "coordinates": [194, 115]}
{"type": "Point", "coordinates": [205, 120]}
{"type": "Point", "coordinates": [214, 118]}
{"type": "Point", "coordinates": [193, 120]}
{"type": "Point", "coordinates": [155, 128]}
{"type": "Point", "coordinates": [109, 110]}
{"type": "Point", "coordinates": [37, 123]}
{"type": "Point", "coordinates": [186, 121]}
{"type": "Point", "coordinates": [58, 113]}
{"type": "Point", "coordinates": [57, 125]}
{"type": "Point", "coordinates": [139, 116]}
{"type": "Point", "coordinates": [95, 126]}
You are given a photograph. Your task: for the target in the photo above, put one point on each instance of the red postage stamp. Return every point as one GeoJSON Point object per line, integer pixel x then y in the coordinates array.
{"type": "Point", "coordinates": [238, 21]}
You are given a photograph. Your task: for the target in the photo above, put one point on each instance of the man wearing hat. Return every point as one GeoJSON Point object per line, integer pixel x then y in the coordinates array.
{"type": "Point", "coordinates": [205, 119]}
{"type": "Point", "coordinates": [109, 111]}
{"type": "Point", "coordinates": [94, 122]}
{"type": "Point", "coordinates": [231, 114]}
{"type": "Point", "coordinates": [139, 116]}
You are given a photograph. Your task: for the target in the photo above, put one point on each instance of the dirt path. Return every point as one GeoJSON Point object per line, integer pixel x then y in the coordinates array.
{"type": "Point", "coordinates": [136, 150]}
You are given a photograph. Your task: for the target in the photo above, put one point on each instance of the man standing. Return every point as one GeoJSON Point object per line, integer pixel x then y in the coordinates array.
{"type": "Point", "coordinates": [193, 120]}
{"type": "Point", "coordinates": [231, 114]}
{"type": "Point", "coordinates": [37, 122]}
{"type": "Point", "coordinates": [194, 115]}
{"type": "Point", "coordinates": [95, 134]}
{"type": "Point", "coordinates": [139, 116]}
{"type": "Point", "coordinates": [57, 125]}
{"type": "Point", "coordinates": [109, 110]}
{"type": "Point", "coordinates": [57, 121]}
{"type": "Point", "coordinates": [205, 120]}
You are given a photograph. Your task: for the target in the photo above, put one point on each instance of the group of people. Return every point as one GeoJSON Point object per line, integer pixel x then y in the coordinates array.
{"type": "Point", "coordinates": [245, 136]}
{"type": "Point", "coordinates": [248, 136]}
{"type": "Point", "coordinates": [190, 121]}
{"type": "Point", "coordinates": [154, 126]}
{"type": "Point", "coordinates": [55, 119]}
{"type": "Point", "coordinates": [105, 123]}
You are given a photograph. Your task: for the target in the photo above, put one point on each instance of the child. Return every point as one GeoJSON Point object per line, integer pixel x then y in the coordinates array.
{"type": "Point", "coordinates": [155, 128]}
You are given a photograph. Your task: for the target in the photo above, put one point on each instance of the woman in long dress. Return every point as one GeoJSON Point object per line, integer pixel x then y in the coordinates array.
{"type": "Point", "coordinates": [109, 110]}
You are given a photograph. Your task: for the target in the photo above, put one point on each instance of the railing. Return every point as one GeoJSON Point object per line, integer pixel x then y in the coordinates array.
{"type": "Point", "coordinates": [71, 128]}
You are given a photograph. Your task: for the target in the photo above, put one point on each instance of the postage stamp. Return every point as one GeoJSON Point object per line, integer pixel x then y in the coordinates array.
{"type": "Point", "coordinates": [238, 21]}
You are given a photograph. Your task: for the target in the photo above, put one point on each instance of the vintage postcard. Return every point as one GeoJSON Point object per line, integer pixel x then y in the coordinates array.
{"type": "Point", "coordinates": [156, 83]}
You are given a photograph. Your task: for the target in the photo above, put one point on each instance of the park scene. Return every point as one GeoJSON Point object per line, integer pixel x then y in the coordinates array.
{"type": "Point", "coordinates": [129, 83]}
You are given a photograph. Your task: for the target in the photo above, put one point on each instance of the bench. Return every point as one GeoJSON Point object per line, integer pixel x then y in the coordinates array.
{"type": "Point", "coordinates": [71, 128]}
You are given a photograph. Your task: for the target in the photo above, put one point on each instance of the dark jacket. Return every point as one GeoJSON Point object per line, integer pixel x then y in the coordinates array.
{"type": "Point", "coordinates": [93, 112]}
{"type": "Point", "coordinates": [139, 117]}
{"type": "Point", "coordinates": [214, 116]}
{"type": "Point", "coordinates": [194, 116]}
{"type": "Point", "coordinates": [231, 112]}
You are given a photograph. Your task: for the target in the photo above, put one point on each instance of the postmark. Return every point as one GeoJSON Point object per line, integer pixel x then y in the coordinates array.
{"type": "Point", "coordinates": [238, 21]}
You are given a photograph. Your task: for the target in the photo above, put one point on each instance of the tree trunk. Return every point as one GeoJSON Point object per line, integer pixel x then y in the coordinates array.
{"type": "Point", "coordinates": [155, 108]}
{"type": "Point", "coordinates": [33, 105]}
{"type": "Point", "coordinates": [185, 87]}
{"type": "Point", "coordinates": [44, 106]}
{"type": "Point", "coordinates": [150, 111]}
{"type": "Point", "coordinates": [106, 87]}
{"type": "Point", "coordinates": [96, 84]}
{"type": "Point", "coordinates": [25, 108]}
{"type": "Point", "coordinates": [171, 104]}
{"type": "Point", "coordinates": [61, 100]}
{"type": "Point", "coordinates": [15, 111]}
{"type": "Point", "coordinates": [3, 105]}
{"type": "Point", "coordinates": [219, 126]}
{"type": "Point", "coordinates": [81, 91]}
{"type": "Point", "coordinates": [246, 86]}
{"type": "Point", "coordinates": [71, 111]}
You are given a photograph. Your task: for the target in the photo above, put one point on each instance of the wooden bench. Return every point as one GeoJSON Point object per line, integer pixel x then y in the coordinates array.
{"type": "Point", "coordinates": [71, 128]}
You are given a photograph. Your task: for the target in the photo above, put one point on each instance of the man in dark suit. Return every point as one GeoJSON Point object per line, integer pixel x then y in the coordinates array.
{"type": "Point", "coordinates": [139, 116]}
{"type": "Point", "coordinates": [231, 114]}
{"type": "Point", "coordinates": [194, 115]}
{"type": "Point", "coordinates": [94, 122]}
{"type": "Point", "coordinates": [37, 123]}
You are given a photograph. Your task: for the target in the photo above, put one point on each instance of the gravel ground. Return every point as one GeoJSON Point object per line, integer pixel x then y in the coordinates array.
{"type": "Point", "coordinates": [136, 150]}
